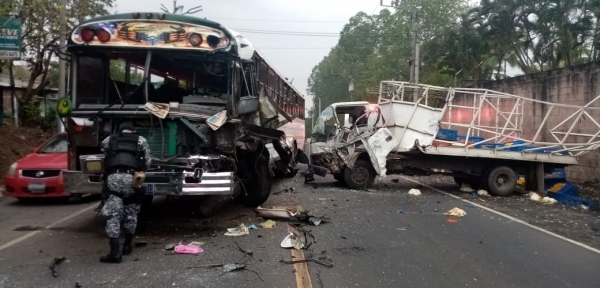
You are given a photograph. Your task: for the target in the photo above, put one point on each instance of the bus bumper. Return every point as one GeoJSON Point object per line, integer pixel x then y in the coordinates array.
{"type": "Point", "coordinates": [164, 183]}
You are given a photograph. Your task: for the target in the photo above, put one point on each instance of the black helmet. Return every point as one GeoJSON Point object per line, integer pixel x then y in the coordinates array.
{"type": "Point", "coordinates": [128, 125]}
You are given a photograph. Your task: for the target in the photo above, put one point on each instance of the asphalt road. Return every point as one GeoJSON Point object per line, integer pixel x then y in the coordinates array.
{"type": "Point", "coordinates": [371, 244]}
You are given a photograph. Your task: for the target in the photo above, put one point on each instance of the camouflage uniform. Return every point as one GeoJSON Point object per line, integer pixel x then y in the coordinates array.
{"type": "Point", "coordinates": [115, 211]}
{"type": "Point", "coordinates": [123, 203]}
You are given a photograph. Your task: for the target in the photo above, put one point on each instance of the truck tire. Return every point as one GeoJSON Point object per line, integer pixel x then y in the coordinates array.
{"type": "Point", "coordinates": [257, 186]}
{"type": "Point", "coordinates": [501, 180]}
{"type": "Point", "coordinates": [361, 176]}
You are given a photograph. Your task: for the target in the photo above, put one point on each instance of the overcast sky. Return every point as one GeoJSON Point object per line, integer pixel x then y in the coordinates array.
{"type": "Point", "coordinates": [293, 56]}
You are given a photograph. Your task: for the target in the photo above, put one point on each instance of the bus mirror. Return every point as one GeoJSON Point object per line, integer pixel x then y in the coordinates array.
{"type": "Point", "coordinates": [64, 106]}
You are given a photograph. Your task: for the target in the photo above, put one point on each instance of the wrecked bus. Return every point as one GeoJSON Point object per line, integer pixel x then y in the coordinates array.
{"type": "Point", "coordinates": [219, 119]}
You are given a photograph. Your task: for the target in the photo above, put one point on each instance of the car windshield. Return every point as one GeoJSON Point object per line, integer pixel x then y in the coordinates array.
{"type": "Point", "coordinates": [58, 144]}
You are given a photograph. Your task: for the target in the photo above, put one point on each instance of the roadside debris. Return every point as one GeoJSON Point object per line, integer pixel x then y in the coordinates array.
{"type": "Point", "coordinates": [402, 229]}
{"type": "Point", "coordinates": [327, 262]}
{"type": "Point", "coordinates": [252, 226]}
{"type": "Point", "coordinates": [188, 249]}
{"type": "Point", "coordinates": [290, 191]}
{"type": "Point", "coordinates": [452, 220]}
{"type": "Point", "coordinates": [295, 240]}
{"type": "Point", "coordinates": [414, 192]}
{"type": "Point", "coordinates": [549, 201]}
{"type": "Point", "coordinates": [238, 231]}
{"type": "Point", "coordinates": [290, 214]}
{"type": "Point", "coordinates": [400, 211]}
{"type": "Point", "coordinates": [456, 212]}
{"type": "Point", "coordinates": [268, 224]}
{"type": "Point", "coordinates": [483, 193]}
{"type": "Point", "coordinates": [197, 243]}
{"type": "Point", "coordinates": [534, 197]}
{"type": "Point", "coordinates": [54, 265]}
{"type": "Point", "coordinates": [466, 188]}
{"type": "Point", "coordinates": [170, 246]}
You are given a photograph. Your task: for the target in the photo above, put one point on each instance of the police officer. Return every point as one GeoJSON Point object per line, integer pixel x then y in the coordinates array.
{"type": "Point", "coordinates": [125, 153]}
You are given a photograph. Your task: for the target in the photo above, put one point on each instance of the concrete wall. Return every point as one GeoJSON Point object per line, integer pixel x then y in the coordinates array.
{"type": "Point", "coordinates": [577, 85]}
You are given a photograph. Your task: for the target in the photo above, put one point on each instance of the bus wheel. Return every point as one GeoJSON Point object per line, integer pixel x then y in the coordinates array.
{"type": "Point", "coordinates": [361, 176]}
{"type": "Point", "coordinates": [256, 181]}
{"type": "Point", "coordinates": [501, 180]}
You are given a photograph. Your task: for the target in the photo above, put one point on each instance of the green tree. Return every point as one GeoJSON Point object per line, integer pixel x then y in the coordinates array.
{"type": "Point", "coordinates": [40, 34]}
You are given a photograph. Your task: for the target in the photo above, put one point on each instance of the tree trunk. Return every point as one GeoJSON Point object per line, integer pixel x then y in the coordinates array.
{"type": "Point", "coordinates": [12, 92]}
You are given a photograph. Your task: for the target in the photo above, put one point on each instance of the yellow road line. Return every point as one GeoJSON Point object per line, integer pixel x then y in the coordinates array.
{"type": "Point", "coordinates": [301, 270]}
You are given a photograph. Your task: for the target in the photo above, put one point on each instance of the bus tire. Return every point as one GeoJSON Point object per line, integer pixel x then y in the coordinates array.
{"type": "Point", "coordinates": [257, 186]}
{"type": "Point", "coordinates": [501, 180]}
{"type": "Point", "coordinates": [361, 176]}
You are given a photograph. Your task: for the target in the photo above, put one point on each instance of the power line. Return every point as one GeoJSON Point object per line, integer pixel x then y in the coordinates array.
{"type": "Point", "coordinates": [288, 21]}
{"type": "Point", "coordinates": [314, 34]}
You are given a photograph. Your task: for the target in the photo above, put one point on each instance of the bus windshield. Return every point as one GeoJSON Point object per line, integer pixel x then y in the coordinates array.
{"type": "Point", "coordinates": [105, 76]}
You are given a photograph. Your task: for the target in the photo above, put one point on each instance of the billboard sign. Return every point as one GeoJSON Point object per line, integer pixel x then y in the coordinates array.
{"type": "Point", "coordinates": [10, 38]}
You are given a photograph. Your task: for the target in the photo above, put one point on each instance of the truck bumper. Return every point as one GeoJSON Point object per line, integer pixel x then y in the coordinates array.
{"type": "Point", "coordinates": [165, 183]}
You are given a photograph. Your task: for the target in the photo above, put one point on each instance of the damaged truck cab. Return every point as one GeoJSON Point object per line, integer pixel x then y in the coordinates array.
{"type": "Point", "coordinates": [219, 120]}
{"type": "Point", "coordinates": [339, 143]}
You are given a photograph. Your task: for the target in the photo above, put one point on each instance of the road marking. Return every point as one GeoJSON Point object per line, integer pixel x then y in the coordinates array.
{"type": "Point", "coordinates": [302, 275]}
{"type": "Point", "coordinates": [508, 216]}
{"type": "Point", "coordinates": [54, 224]}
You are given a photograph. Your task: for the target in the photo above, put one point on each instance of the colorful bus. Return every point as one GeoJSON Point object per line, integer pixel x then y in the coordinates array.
{"type": "Point", "coordinates": [220, 120]}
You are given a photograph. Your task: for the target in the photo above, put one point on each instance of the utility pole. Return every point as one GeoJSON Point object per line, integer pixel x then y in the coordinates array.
{"type": "Point", "coordinates": [62, 66]}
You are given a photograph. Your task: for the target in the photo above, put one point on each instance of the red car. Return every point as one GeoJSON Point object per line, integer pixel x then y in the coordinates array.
{"type": "Point", "coordinates": [39, 174]}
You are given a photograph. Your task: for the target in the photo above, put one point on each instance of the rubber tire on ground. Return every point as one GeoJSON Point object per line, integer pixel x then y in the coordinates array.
{"type": "Point", "coordinates": [360, 166]}
{"type": "Point", "coordinates": [504, 173]}
{"type": "Point", "coordinates": [474, 182]}
{"type": "Point", "coordinates": [257, 189]}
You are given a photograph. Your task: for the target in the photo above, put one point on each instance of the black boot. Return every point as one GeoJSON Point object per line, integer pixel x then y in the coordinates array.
{"type": "Point", "coordinates": [127, 246]}
{"type": "Point", "coordinates": [114, 256]}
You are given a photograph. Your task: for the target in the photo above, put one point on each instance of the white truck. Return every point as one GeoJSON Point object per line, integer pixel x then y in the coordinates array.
{"type": "Point", "coordinates": [479, 136]}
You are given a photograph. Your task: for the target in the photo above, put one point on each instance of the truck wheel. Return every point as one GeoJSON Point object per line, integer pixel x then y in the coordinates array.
{"type": "Point", "coordinates": [501, 181]}
{"type": "Point", "coordinates": [361, 176]}
{"type": "Point", "coordinates": [257, 187]}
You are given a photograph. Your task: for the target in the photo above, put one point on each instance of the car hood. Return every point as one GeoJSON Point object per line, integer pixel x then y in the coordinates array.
{"type": "Point", "coordinates": [43, 161]}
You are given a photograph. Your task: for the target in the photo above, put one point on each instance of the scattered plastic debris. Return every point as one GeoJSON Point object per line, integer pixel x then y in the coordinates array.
{"type": "Point", "coordinates": [483, 193]}
{"type": "Point", "coordinates": [452, 220]}
{"type": "Point", "coordinates": [402, 229]}
{"type": "Point", "coordinates": [252, 226]}
{"type": "Point", "coordinates": [470, 205]}
{"type": "Point", "coordinates": [456, 212]}
{"type": "Point", "coordinates": [268, 224]}
{"type": "Point", "coordinates": [315, 221]}
{"type": "Point", "coordinates": [414, 192]}
{"type": "Point", "coordinates": [170, 246]}
{"type": "Point", "coordinates": [238, 231]}
{"type": "Point", "coordinates": [584, 207]}
{"type": "Point", "coordinates": [188, 249]}
{"type": "Point", "coordinates": [296, 213]}
{"type": "Point", "coordinates": [400, 211]}
{"type": "Point", "coordinates": [466, 188]}
{"type": "Point", "coordinates": [549, 201]}
{"type": "Point", "coordinates": [534, 197]}
{"type": "Point", "coordinates": [54, 265]}
{"type": "Point", "coordinates": [197, 243]}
